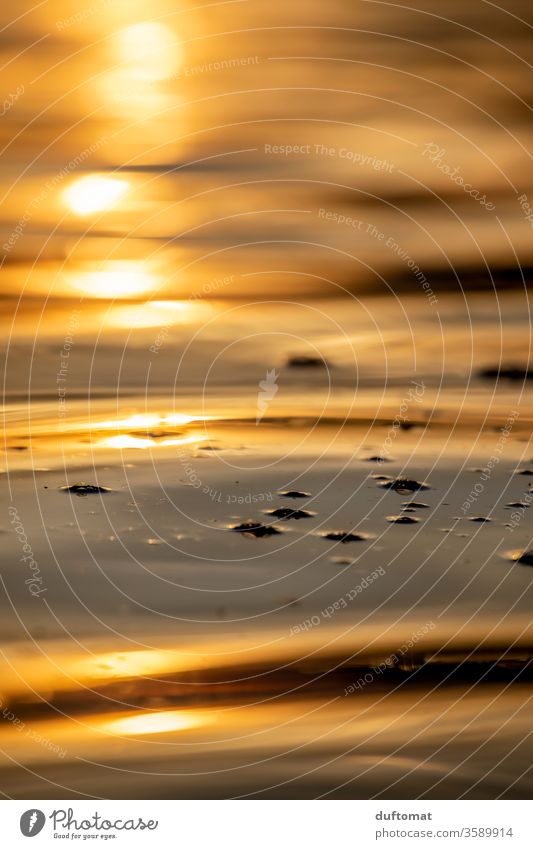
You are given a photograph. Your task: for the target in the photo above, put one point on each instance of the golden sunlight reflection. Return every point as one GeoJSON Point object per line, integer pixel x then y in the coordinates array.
{"type": "Point", "coordinates": [138, 422]}
{"type": "Point", "coordinates": [94, 193]}
{"type": "Point", "coordinates": [125, 440]}
{"type": "Point", "coordinates": [130, 664]}
{"type": "Point", "coordinates": [155, 723]}
{"type": "Point", "coordinates": [145, 56]}
{"type": "Point", "coordinates": [128, 99]}
{"type": "Point", "coordinates": [119, 279]}
{"type": "Point", "coordinates": [159, 314]}
{"type": "Point", "coordinates": [142, 420]}
{"type": "Point", "coordinates": [149, 51]}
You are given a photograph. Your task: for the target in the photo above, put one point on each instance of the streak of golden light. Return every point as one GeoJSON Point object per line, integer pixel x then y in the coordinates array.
{"type": "Point", "coordinates": [154, 723]}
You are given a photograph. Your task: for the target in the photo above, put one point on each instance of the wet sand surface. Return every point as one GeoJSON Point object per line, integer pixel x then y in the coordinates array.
{"type": "Point", "coordinates": [157, 642]}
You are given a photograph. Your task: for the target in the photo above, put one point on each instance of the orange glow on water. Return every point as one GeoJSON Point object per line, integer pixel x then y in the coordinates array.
{"type": "Point", "coordinates": [149, 51]}
{"type": "Point", "coordinates": [154, 723]}
{"type": "Point", "coordinates": [123, 441]}
{"type": "Point", "coordinates": [159, 314]}
{"type": "Point", "coordinates": [94, 193]}
{"type": "Point", "coordinates": [116, 280]}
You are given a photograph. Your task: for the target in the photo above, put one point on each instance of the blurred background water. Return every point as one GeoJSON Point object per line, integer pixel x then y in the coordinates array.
{"type": "Point", "coordinates": [154, 165]}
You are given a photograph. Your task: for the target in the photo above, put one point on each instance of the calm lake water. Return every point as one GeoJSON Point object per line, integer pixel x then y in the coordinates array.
{"type": "Point", "coordinates": [250, 248]}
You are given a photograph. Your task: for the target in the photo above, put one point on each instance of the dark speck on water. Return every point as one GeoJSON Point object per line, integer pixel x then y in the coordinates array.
{"type": "Point", "coordinates": [479, 519]}
{"type": "Point", "coordinates": [418, 505]}
{"type": "Point", "coordinates": [377, 459]}
{"type": "Point", "coordinates": [161, 434]}
{"type": "Point", "coordinates": [524, 472]}
{"type": "Point", "coordinates": [289, 513]}
{"type": "Point", "coordinates": [344, 536]}
{"type": "Point", "coordinates": [402, 520]}
{"type": "Point", "coordinates": [306, 362]}
{"type": "Point", "coordinates": [508, 373]}
{"type": "Point", "coordinates": [517, 504]}
{"type": "Point", "coordinates": [83, 489]}
{"type": "Point", "coordinates": [404, 485]}
{"type": "Point", "coordinates": [255, 529]}
{"type": "Point", "coordinates": [294, 493]}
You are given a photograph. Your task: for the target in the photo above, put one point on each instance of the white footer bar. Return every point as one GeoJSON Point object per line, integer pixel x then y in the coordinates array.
{"type": "Point", "coordinates": [268, 824]}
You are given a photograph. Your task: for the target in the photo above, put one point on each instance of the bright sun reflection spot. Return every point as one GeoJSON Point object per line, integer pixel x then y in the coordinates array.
{"type": "Point", "coordinates": [155, 723]}
{"type": "Point", "coordinates": [143, 423]}
{"type": "Point", "coordinates": [117, 280]}
{"type": "Point", "coordinates": [150, 51]}
{"type": "Point", "coordinates": [94, 193]}
{"type": "Point", "coordinates": [127, 441]}
{"type": "Point", "coordinates": [159, 314]}
{"type": "Point", "coordinates": [141, 420]}
{"type": "Point", "coordinates": [181, 419]}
